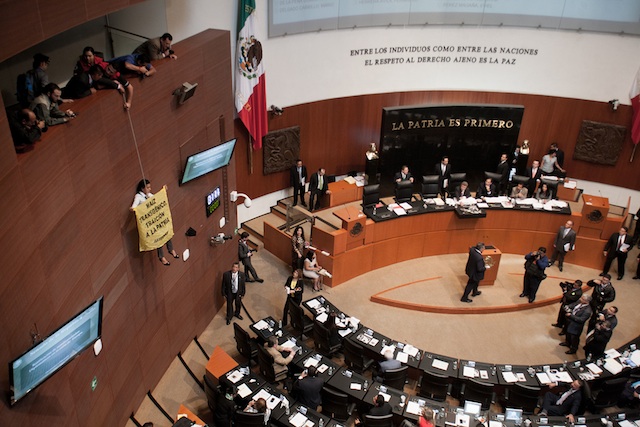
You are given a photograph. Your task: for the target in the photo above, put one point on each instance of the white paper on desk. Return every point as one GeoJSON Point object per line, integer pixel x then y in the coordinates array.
{"type": "Point", "coordinates": [289, 344]}
{"type": "Point", "coordinates": [635, 357]}
{"type": "Point", "coordinates": [439, 202]}
{"type": "Point", "coordinates": [350, 180]}
{"type": "Point", "coordinates": [410, 350]}
{"type": "Point", "coordinates": [563, 377]}
{"type": "Point", "coordinates": [405, 205]}
{"type": "Point", "coordinates": [386, 348]}
{"type": "Point", "coordinates": [483, 205]}
{"type": "Point", "coordinates": [594, 368]}
{"type": "Point", "coordinates": [537, 205]}
{"type": "Point", "coordinates": [354, 321]}
{"type": "Point", "coordinates": [413, 408]}
{"type": "Point", "coordinates": [521, 376]}
{"type": "Point", "coordinates": [399, 211]}
{"type": "Point", "coordinates": [322, 317]}
{"type": "Point", "coordinates": [313, 303]}
{"type": "Point", "coordinates": [320, 309]}
{"type": "Point", "coordinates": [402, 357]}
{"type": "Point", "coordinates": [527, 201]}
{"type": "Point", "coordinates": [493, 423]}
{"type": "Point", "coordinates": [612, 366]}
{"type": "Point", "coordinates": [312, 361]}
{"type": "Point", "coordinates": [373, 342]}
{"type": "Point", "coordinates": [386, 396]}
{"type": "Point", "coordinates": [273, 402]}
{"type": "Point", "coordinates": [392, 206]}
{"type": "Point", "coordinates": [509, 377]}
{"type": "Point", "coordinates": [344, 332]}
{"type": "Point", "coordinates": [310, 423]}
{"type": "Point", "coordinates": [469, 371]}
{"type": "Point", "coordinates": [570, 184]}
{"type": "Point", "coordinates": [543, 378]}
{"type": "Point", "coordinates": [260, 325]}
{"type": "Point", "coordinates": [627, 423]}
{"type": "Point", "coordinates": [462, 420]}
{"type": "Point", "coordinates": [322, 368]}
{"type": "Point", "coordinates": [262, 394]}
{"type": "Point", "coordinates": [244, 390]}
{"type": "Point", "coordinates": [235, 376]}
{"type": "Point", "coordinates": [440, 364]}
{"type": "Point", "coordinates": [355, 386]}
{"type": "Point", "coordinates": [298, 420]}
{"type": "Point", "coordinates": [612, 352]}
{"type": "Point", "coordinates": [484, 374]}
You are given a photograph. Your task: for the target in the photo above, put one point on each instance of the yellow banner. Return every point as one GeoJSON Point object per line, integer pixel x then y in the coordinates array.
{"type": "Point", "coordinates": [155, 227]}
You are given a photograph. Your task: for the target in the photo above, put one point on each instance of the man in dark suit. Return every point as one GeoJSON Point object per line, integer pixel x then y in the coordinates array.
{"type": "Point", "coordinates": [308, 387]}
{"type": "Point", "coordinates": [571, 292]}
{"type": "Point", "coordinates": [565, 242]}
{"type": "Point", "coordinates": [318, 187]}
{"type": "Point", "coordinates": [618, 247]}
{"type": "Point", "coordinates": [245, 253]}
{"type": "Point", "coordinates": [533, 173]}
{"type": "Point", "coordinates": [603, 293]}
{"type": "Point", "coordinates": [233, 289]}
{"type": "Point", "coordinates": [403, 175]}
{"type": "Point", "coordinates": [298, 179]}
{"type": "Point", "coordinates": [475, 270]}
{"type": "Point", "coordinates": [443, 170]}
{"type": "Point", "coordinates": [486, 189]}
{"type": "Point", "coordinates": [462, 190]}
{"type": "Point", "coordinates": [503, 169]}
{"type": "Point", "coordinates": [577, 315]}
{"type": "Point", "coordinates": [567, 403]}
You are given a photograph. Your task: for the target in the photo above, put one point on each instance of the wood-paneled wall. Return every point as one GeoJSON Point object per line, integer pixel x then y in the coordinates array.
{"type": "Point", "coordinates": [68, 237]}
{"type": "Point", "coordinates": [336, 133]}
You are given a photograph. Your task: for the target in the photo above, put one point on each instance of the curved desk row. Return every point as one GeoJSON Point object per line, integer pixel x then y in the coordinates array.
{"type": "Point", "coordinates": [364, 244]}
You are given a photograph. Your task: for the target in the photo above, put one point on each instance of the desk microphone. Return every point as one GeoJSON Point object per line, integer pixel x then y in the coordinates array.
{"type": "Point", "coordinates": [600, 193]}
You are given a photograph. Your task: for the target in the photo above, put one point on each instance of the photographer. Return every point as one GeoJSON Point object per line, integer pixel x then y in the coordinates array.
{"type": "Point", "coordinates": [534, 266]}
{"type": "Point", "coordinates": [571, 292]}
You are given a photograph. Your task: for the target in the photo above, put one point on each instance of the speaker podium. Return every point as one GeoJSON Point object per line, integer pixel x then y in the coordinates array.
{"type": "Point", "coordinates": [491, 256]}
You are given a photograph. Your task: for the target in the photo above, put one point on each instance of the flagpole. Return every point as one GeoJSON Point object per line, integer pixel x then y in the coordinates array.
{"type": "Point", "coordinates": [633, 153]}
{"type": "Point", "coordinates": [250, 155]}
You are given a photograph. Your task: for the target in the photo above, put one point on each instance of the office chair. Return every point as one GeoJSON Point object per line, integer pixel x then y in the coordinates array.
{"type": "Point", "coordinates": [212, 393]}
{"type": "Point", "coordinates": [404, 191]}
{"type": "Point", "coordinates": [370, 195]}
{"type": "Point", "coordinates": [378, 420]}
{"type": "Point", "coordinates": [552, 184]}
{"type": "Point", "coordinates": [300, 322]}
{"type": "Point", "coordinates": [336, 404]}
{"type": "Point", "coordinates": [435, 386]}
{"type": "Point", "coordinates": [322, 340]}
{"type": "Point", "coordinates": [354, 356]}
{"type": "Point", "coordinates": [455, 180]}
{"type": "Point", "coordinates": [395, 377]}
{"type": "Point", "coordinates": [517, 179]}
{"type": "Point", "coordinates": [245, 345]}
{"type": "Point", "coordinates": [430, 186]}
{"type": "Point", "coordinates": [495, 177]}
{"type": "Point", "coordinates": [272, 373]}
{"type": "Point", "coordinates": [478, 391]}
{"type": "Point", "coordinates": [248, 419]}
{"type": "Point", "coordinates": [522, 397]}
{"type": "Point", "coordinates": [608, 396]}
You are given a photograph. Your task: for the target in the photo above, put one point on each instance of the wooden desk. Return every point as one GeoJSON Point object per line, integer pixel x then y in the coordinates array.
{"type": "Point", "coordinates": [343, 192]}
{"type": "Point", "coordinates": [183, 410]}
{"type": "Point", "coordinates": [219, 364]}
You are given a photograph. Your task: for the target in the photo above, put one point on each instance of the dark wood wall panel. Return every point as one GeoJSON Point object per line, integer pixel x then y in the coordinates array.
{"type": "Point", "coordinates": [70, 238]}
{"type": "Point", "coordinates": [336, 133]}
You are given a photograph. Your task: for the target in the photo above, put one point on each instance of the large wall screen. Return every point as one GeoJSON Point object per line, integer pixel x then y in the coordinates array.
{"type": "Point", "coordinates": [300, 16]}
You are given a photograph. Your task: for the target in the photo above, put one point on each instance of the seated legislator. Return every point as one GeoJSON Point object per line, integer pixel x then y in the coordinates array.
{"type": "Point", "coordinates": [462, 190]}
{"type": "Point", "coordinates": [308, 387]}
{"type": "Point", "coordinates": [403, 175]}
{"type": "Point", "coordinates": [519, 191]}
{"type": "Point", "coordinates": [426, 417]}
{"type": "Point", "coordinates": [311, 270]}
{"type": "Point", "coordinates": [544, 193]}
{"type": "Point", "coordinates": [274, 349]}
{"type": "Point", "coordinates": [380, 408]}
{"type": "Point", "coordinates": [566, 404]}
{"type": "Point", "coordinates": [486, 189]}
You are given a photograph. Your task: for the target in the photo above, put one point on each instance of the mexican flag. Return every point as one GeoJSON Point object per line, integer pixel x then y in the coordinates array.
{"type": "Point", "coordinates": [251, 100]}
{"type": "Point", "coordinates": [634, 94]}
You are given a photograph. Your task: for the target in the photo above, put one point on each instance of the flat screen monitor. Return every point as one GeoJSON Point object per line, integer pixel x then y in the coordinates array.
{"type": "Point", "coordinates": [513, 414]}
{"type": "Point", "coordinates": [472, 408]}
{"type": "Point", "coordinates": [187, 91]}
{"type": "Point", "coordinates": [51, 354]}
{"type": "Point", "coordinates": [208, 161]}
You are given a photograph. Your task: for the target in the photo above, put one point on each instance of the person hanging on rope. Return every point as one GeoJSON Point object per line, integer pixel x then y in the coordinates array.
{"type": "Point", "coordinates": [143, 192]}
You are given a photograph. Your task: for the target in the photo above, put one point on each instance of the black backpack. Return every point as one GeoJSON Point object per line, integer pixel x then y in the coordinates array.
{"type": "Point", "coordinates": [26, 88]}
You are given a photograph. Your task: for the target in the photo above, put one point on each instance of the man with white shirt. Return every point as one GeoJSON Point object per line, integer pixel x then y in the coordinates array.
{"type": "Point", "coordinates": [233, 289]}
{"type": "Point", "coordinates": [565, 242]}
{"type": "Point", "coordinates": [443, 170]}
{"type": "Point", "coordinates": [618, 247]}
